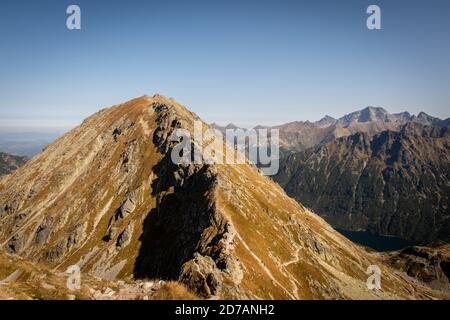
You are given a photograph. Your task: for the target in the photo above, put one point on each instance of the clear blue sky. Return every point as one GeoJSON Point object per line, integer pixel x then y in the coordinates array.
{"type": "Point", "coordinates": [242, 61]}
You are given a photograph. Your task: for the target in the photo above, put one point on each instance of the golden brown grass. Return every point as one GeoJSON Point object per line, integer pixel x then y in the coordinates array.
{"type": "Point", "coordinates": [174, 291]}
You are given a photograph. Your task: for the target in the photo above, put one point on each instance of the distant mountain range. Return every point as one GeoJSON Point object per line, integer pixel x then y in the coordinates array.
{"type": "Point", "coordinates": [301, 135]}
{"type": "Point", "coordinates": [392, 183]}
{"type": "Point", "coordinates": [371, 170]}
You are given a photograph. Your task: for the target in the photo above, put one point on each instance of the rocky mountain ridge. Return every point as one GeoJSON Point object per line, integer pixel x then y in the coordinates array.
{"type": "Point", "coordinates": [393, 183]}
{"type": "Point", "coordinates": [302, 135]}
{"type": "Point", "coordinates": [107, 198]}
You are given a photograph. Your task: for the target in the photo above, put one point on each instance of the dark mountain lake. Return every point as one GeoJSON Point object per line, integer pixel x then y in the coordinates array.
{"type": "Point", "coordinates": [376, 242]}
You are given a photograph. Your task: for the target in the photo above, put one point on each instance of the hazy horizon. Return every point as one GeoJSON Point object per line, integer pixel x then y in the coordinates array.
{"type": "Point", "coordinates": [27, 127]}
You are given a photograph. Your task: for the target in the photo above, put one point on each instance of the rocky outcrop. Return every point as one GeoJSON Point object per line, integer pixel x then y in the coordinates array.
{"type": "Point", "coordinates": [429, 265]}
{"type": "Point", "coordinates": [395, 183]}
{"type": "Point", "coordinates": [21, 279]}
{"type": "Point", "coordinates": [186, 227]}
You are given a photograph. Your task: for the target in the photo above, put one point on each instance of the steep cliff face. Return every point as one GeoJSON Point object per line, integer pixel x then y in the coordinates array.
{"type": "Point", "coordinates": [9, 163]}
{"type": "Point", "coordinates": [396, 183]}
{"type": "Point", "coordinates": [107, 197]}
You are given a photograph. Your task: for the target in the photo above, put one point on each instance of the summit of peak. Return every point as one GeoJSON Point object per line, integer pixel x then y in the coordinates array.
{"type": "Point", "coordinates": [143, 104]}
{"type": "Point", "coordinates": [423, 115]}
{"type": "Point", "coordinates": [231, 125]}
{"type": "Point", "coordinates": [326, 121]}
{"type": "Point", "coordinates": [372, 108]}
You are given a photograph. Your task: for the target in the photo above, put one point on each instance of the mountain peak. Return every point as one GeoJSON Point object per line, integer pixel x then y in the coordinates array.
{"type": "Point", "coordinates": [374, 109]}
{"type": "Point", "coordinates": [424, 115]}
{"type": "Point", "coordinates": [108, 194]}
{"type": "Point", "coordinates": [428, 120]}
{"type": "Point", "coordinates": [372, 114]}
{"type": "Point", "coordinates": [326, 121]}
{"type": "Point", "coordinates": [231, 126]}
{"type": "Point", "coordinates": [367, 114]}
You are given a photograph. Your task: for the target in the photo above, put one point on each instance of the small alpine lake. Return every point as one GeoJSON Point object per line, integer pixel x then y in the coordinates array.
{"type": "Point", "coordinates": [374, 241]}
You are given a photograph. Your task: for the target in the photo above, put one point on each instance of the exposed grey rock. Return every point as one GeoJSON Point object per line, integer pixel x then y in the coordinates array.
{"type": "Point", "coordinates": [201, 276]}
{"type": "Point", "coordinates": [56, 253]}
{"type": "Point", "coordinates": [43, 231]}
{"type": "Point", "coordinates": [186, 237]}
{"type": "Point", "coordinates": [126, 208]}
{"type": "Point", "coordinates": [430, 265]}
{"type": "Point", "coordinates": [76, 236]}
{"type": "Point", "coordinates": [125, 237]}
{"type": "Point", "coordinates": [16, 243]}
